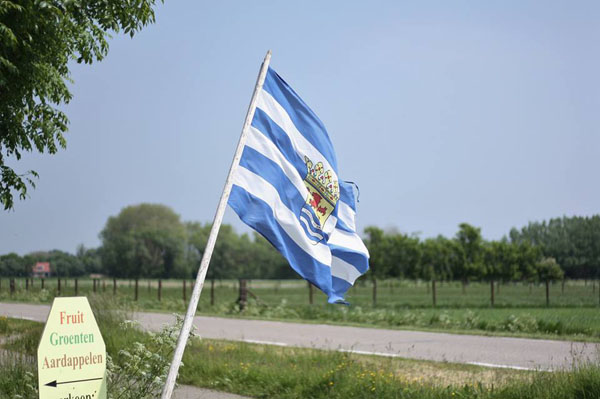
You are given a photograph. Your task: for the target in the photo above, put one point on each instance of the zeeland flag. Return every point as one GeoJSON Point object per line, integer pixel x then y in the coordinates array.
{"type": "Point", "coordinates": [288, 189]}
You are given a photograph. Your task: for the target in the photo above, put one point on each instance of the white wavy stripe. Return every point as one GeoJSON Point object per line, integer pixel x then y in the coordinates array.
{"type": "Point", "coordinates": [279, 115]}
{"type": "Point", "coordinates": [288, 221]}
{"type": "Point", "coordinates": [312, 233]}
{"type": "Point", "coordinates": [347, 215]}
{"type": "Point", "coordinates": [262, 144]}
{"type": "Point", "coordinates": [344, 270]}
{"type": "Point", "coordinates": [351, 241]}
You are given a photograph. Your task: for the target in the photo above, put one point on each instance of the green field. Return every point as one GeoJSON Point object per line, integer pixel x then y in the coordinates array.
{"type": "Point", "coordinates": [520, 309]}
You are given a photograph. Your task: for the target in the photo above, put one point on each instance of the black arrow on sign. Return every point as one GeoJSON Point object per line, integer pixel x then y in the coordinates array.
{"type": "Point", "coordinates": [54, 383]}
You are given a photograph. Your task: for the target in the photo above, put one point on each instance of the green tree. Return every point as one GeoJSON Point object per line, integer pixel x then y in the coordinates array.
{"type": "Point", "coordinates": [267, 258]}
{"type": "Point", "coordinates": [379, 250]}
{"type": "Point", "coordinates": [549, 270]}
{"type": "Point", "coordinates": [38, 39]}
{"type": "Point", "coordinates": [573, 241]}
{"type": "Point", "coordinates": [437, 258]}
{"type": "Point", "coordinates": [90, 259]}
{"type": "Point", "coordinates": [12, 265]}
{"type": "Point", "coordinates": [144, 240]}
{"type": "Point", "coordinates": [404, 256]}
{"type": "Point", "coordinates": [470, 263]}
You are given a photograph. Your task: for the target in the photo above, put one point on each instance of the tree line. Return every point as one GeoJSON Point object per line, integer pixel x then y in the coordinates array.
{"type": "Point", "coordinates": [151, 241]}
{"type": "Point", "coordinates": [465, 257]}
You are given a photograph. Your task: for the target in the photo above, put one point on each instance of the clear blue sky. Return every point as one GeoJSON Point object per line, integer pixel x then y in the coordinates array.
{"type": "Point", "coordinates": [442, 112]}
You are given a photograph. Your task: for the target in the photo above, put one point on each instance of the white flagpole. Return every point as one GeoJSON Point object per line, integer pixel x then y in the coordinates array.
{"type": "Point", "coordinates": [212, 238]}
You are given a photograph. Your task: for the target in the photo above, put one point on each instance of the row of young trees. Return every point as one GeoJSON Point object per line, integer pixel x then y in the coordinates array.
{"type": "Point", "coordinates": [151, 241]}
{"type": "Point", "coordinates": [574, 242]}
{"type": "Point", "coordinates": [465, 257]}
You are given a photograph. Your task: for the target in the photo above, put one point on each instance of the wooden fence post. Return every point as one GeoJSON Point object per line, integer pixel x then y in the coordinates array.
{"type": "Point", "coordinates": [433, 291]}
{"type": "Point", "coordinates": [492, 292]}
{"type": "Point", "coordinates": [212, 292]}
{"type": "Point", "coordinates": [148, 285]}
{"type": "Point", "coordinates": [547, 293]}
{"type": "Point", "coordinates": [184, 293]}
{"type": "Point", "coordinates": [94, 280]}
{"type": "Point", "coordinates": [58, 286]}
{"type": "Point", "coordinates": [242, 299]}
{"type": "Point", "coordinates": [12, 286]}
{"type": "Point", "coordinates": [136, 289]}
{"type": "Point", "coordinates": [76, 288]}
{"type": "Point", "coordinates": [159, 290]}
{"type": "Point", "coordinates": [43, 282]}
{"type": "Point", "coordinates": [310, 293]}
{"type": "Point", "coordinates": [114, 286]}
{"type": "Point", "coordinates": [103, 285]}
{"type": "Point", "coordinates": [26, 283]}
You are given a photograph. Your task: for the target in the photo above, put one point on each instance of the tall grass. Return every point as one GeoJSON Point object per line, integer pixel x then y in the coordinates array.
{"type": "Point", "coordinates": [270, 372]}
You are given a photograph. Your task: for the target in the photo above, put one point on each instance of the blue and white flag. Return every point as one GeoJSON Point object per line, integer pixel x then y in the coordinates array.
{"type": "Point", "coordinates": [287, 188]}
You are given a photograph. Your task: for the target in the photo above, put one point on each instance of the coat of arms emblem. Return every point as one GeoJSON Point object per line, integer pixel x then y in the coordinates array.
{"type": "Point", "coordinates": [323, 195]}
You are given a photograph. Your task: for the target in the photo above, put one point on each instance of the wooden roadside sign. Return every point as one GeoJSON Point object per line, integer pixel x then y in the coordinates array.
{"type": "Point", "coordinates": [71, 353]}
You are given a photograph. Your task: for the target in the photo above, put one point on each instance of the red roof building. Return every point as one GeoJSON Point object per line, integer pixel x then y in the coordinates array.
{"type": "Point", "coordinates": [41, 269]}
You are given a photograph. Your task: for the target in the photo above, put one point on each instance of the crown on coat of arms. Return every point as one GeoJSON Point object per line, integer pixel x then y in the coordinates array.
{"type": "Point", "coordinates": [322, 179]}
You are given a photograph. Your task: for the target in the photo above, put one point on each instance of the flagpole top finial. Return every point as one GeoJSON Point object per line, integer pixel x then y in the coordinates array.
{"type": "Point", "coordinates": [268, 56]}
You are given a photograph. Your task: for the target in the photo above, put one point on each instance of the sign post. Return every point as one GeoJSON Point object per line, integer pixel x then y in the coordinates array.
{"type": "Point", "coordinates": [71, 354]}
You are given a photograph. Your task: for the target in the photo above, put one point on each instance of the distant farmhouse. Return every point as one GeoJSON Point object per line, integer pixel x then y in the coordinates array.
{"type": "Point", "coordinates": [41, 269]}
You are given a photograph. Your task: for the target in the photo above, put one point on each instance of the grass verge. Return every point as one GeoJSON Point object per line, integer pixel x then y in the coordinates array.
{"type": "Point", "coordinates": [277, 372]}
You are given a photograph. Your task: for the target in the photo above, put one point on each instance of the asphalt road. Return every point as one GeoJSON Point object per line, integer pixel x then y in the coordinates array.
{"type": "Point", "coordinates": [472, 349]}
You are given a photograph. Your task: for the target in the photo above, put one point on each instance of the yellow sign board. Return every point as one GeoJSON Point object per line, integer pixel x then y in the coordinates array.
{"type": "Point", "coordinates": [71, 354]}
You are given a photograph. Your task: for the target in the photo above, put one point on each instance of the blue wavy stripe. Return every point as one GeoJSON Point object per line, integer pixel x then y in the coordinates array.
{"type": "Point", "coordinates": [305, 120]}
{"type": "Point", "coordinates": [347, 194]}
{"type": "Point", "coordinates": [273, 132]}
{"type": "Point", "coordinates": [257, 214]}
{"type": "Point", "coordinates": [310, 230]}
{"type": "Point", "coordinates": [356, 259]}
{"type": "Point", "coordinates": [340, 287]}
